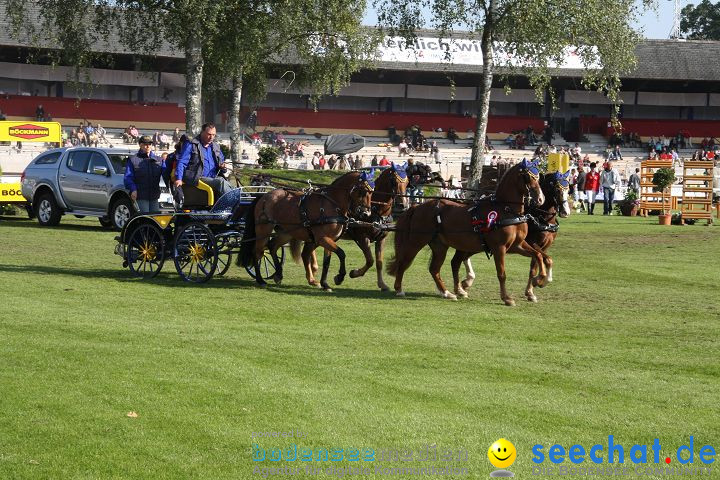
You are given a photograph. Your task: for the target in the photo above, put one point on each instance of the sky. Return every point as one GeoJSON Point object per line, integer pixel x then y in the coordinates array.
{"type": "Point", "coordinates": [655, 24]}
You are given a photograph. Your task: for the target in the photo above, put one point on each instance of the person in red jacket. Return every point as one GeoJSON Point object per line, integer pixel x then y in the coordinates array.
{"type": "Point", "coordinates": [592, 185]}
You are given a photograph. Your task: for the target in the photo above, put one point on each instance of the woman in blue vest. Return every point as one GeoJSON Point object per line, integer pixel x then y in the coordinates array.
{"type": "Point", "coordinates": [142, 177]}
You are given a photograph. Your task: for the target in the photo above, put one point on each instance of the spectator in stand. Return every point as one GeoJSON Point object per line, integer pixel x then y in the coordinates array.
{"type": "Point", "coordinates": [592, 186]}
{"type": "Point", "coordinates": [332, 162]}
{"type": "Point", "coordinates": [384, 162]}
{"type": "Point", "coordinates": [164, 141]}
{"type": "Point", "coordinates": [674, 156]}
{"type": "Point", "coordinates": [617, 154]}
{"type": "Point", "coordinates": [548, 134]}
{"type": "Point", "coordinates": [609, 180]}
{"type": "Point", "coordinates": [608, 152]}
{"type": "Point", "coordinates": [81, 137]}
{"type": "Point", "coordinates": [2, 116]}
{"type": "Point", "coordinates": [687, 138]}
{"type": "Point", "coordinates": [575, 152]}
{"type": "Point", "coordinates": [176, 136]}
{"type": "Point", "coordinates": [40, 113]}
{"type": "Point", "coordinates": [452, 135]}
{"type": "Point", "coordinates": [634, 182]}
{"type": "Point", "coordinates": [322, 163]}
{"type": "Point", "coordinates": [581, 164]}
{"type": "Point", "coordinates": [510, 141]}
{"type": "Point", "coordinates": [530, 135]}
{"type": "Point", "coordinates": [156, 139]}
{"type": "Point", "coordinates": [142, 177]}
{"type": "Point", "coordinates": [374, 161]}
{"type": "Point", "coordinates": [244, 157]}
{"type": "Point", "coordinates": [402, 148]}
{"type": "Point", "coordinates": [101, 132]}
{"type": "Point", "coordinates": [342, 163]}
{"type": "Point", "coordinates": [665, 155]}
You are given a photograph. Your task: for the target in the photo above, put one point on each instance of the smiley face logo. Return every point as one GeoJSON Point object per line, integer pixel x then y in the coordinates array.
{"type": "Point", "coordinates": [502, 453]}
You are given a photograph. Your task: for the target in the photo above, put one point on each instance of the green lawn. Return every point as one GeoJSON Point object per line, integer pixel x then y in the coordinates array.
{"type": "Point", "coordinates": [624, 342]}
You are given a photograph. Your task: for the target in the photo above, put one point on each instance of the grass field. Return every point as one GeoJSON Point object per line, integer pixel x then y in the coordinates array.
{"type": "Point", "coordinates": [624, 342]}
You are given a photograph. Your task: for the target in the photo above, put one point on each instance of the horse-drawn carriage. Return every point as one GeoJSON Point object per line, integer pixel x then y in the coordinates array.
{"type": "Point", "coordinates": [200, 237]}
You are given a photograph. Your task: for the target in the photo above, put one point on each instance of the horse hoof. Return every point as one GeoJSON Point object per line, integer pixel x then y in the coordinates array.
{"type": "Point", "coordinates": [326, 288]}
{"type": "Point", "coordinates": [532, 298]}
{"type": "Point", "coordinates": [466, 284]}
{"type": "Point", "coordinates": [448, 295]}
{"type": "Point", "coordinates": [510, 302]}
{"type": "Point", "coordinates": [400, 294]}
{"type": "Point", "coordinates": [461, 293]}
{"type": "Point", "coordinates": [354, 274]}
{"type": "Point", "coordinates": [384, 288]}
{"type": "Point", "coordinates": [262, 285]}
{"type": "Point", "coordinates": [338, 279]}
{"type": "Point", "coordinates": [277, 279]}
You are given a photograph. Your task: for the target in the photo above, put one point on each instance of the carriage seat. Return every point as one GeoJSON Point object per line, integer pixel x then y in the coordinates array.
{"type": "Point", "coordinates": [196, 197]}
{"type": "Point", "coordinates": [200, 196]}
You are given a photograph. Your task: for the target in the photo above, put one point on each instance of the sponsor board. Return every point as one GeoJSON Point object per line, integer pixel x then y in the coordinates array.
{"type": "Point", "coordinates": [30, 132]}
{"type": "Point", "coordinates": [11, 193]}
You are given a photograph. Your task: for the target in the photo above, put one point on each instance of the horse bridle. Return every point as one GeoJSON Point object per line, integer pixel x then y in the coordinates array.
{"type": "Point", "coordinates": [368, 190]}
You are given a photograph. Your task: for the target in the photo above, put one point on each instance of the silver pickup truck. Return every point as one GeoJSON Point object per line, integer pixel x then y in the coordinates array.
{"type": "Point", "coordinates": [81, 181]}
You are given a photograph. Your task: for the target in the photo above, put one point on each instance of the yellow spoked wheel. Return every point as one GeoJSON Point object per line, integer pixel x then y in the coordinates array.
{"type": "Point", "coordinates": [195, 253]}
{"type": "Point", "coordinates": [145, 252]}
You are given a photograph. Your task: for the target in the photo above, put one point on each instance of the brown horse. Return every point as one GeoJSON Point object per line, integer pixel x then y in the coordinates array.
{"type": "Point", "coordinates": [318, 216]}
{"type": "Point", "coordinates": [391, 184]}
{"type": "Point", "coordinates": [542, 230]}
{"type": "Point", "coordinates": [499, 221]}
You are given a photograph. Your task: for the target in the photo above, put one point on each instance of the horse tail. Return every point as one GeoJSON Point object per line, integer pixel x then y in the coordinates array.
{"type": "Point", "coordinates": [295, 250]}
{"type": "Point", "coordinates": [402, 234]}
{"type": "Point", "coordinates": [246, 257]}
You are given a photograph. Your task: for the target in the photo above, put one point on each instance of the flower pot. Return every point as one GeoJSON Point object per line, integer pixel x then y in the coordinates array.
{"type": "Point", "coordinates": [629, 209]}
{"type": "Point", "coordinates": [664, 218]}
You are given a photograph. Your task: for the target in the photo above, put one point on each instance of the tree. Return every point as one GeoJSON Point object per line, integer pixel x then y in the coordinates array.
{"type": "Point", "coordinates": [536, 34]}
{"type": "Point", "coordinates": [318, 43]}
{"type": "Point", "coordinates": [701, 22]}
{"type": "Point", "coordinates": [233, 44]}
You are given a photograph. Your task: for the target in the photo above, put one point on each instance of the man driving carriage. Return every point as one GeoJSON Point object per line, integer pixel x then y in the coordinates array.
{"type": "Point", "coordinates": [200, 158]}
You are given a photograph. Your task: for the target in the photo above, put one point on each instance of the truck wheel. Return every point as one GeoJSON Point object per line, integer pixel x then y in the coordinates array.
{"type": "Point", "coordinates": [121, 212]}
{"type": "Point", "coordinates": [47, 211]}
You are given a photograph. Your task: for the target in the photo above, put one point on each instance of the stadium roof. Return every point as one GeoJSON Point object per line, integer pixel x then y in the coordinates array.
{"type": "Point", "coordinates": [656, 59]}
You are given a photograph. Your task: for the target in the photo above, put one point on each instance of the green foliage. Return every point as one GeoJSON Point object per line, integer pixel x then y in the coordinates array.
{"type": "Point", "coordinates": [267, 156]}
{"type": "Point", "coordinates": [535, 34]}
{"type": "Point", "coordinates": [631, 196]}
{"type": "Point", "coordinates": [663, 178]}
{"type": "Point", "coordinates": [225, 151]}
{"type": "Point", "coordinates": [701, 21]}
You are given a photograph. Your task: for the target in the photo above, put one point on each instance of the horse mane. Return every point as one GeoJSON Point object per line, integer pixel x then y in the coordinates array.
{"type": "Point", "coordinates": [502, 175]}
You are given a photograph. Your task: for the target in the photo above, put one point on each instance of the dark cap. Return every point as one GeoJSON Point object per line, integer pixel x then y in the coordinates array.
{"type": "Point", "coordinates": [145, 139]}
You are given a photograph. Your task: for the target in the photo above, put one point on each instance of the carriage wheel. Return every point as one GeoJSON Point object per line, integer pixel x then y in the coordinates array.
{"type": "Point", "coordinates": [145, 252]}
{"type": "Point", "coordinates": [224, 258]}
{"type": "Point", "coordinates": [267, 266]}
{"type": "Point", "coordinates": [195, 253]}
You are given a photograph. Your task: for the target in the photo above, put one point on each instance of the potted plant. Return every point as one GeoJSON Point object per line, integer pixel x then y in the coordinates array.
{"type": "Point", "coordinates": [630, 205]}
{"type": "Point", "coordinates": [663, 179]}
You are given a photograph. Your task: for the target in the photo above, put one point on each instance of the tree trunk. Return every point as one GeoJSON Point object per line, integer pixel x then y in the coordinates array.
{"type": "Point", "coordinates": [234, 118]}
{"type": "Point", "coordinates": [478, 146]}
{"type": "Point", "coordinates": [193, 86]}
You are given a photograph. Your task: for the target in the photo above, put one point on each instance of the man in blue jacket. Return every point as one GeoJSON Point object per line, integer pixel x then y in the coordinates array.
{"type": "Point", "coordinates": [142, 177]}
{"type": "Point", "coordinates": [200, 158]}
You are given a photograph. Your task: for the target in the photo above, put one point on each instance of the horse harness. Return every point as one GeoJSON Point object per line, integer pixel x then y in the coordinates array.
{"type": "Point", "coordinates": [342, 219]}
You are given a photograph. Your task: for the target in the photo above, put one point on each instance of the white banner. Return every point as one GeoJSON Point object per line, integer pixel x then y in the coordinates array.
{"type": "Point", "coordinates": [462, 52]}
